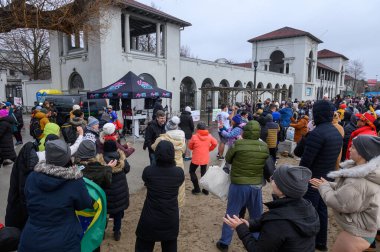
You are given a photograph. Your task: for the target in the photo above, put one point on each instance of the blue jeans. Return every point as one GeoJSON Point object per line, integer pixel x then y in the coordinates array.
{"type": "Point", "coordinates": [240, 196]}
{"type": "Point", "coordinates": [152, 159]}
{"type": "Point", "coordinates": [315, 199]}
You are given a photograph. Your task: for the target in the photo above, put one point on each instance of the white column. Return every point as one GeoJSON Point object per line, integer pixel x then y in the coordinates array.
{"type": "Point", "coordinates": [158, 40]}
{"type": "Point", "coordinates": [85, 42]}
{"type": "Point", "coordinates": [127, 37]}
{"type": "Point", "coordinates": [284, 70]}
{"type": "Point", "coordinates": [65, 45]}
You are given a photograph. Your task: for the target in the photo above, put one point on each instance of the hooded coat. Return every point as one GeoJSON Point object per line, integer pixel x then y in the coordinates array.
{"type": "Point", "coordinates": [269, 133]}
{"type": "Point", "coordinates": [286, 114]}
{"type": "Point", "coordinates": [300, 128]}
{"type": "Point", "coordinates": [69, 131]}
{"type": "Point", "coordinates": [290, 225]}
{"type": "Point", "coordinates": [42, 118]}
{"type": "Point", "coordinates": [202, 143]}
{"type": "Point", "coordinates": [53, 194]}
{"type": "Point", "coordinates": [186, 124]}
{"type": "Point", "coordinates": [50, 128]}
{"type": "Point", "coordinates": [7, 150]}
{"type": "Point", "coordinates": [355, 197]}
{"type": "Point", "coordinates": [177, 138]}
{"type": "Point", "coordinates": [152, 132]}
{"type": "Point", "coordinates": [324, 143]}
{"type": "Point", "coordinates": [248, 156]}
{"type": "Point", "coordinates": [159, 220]}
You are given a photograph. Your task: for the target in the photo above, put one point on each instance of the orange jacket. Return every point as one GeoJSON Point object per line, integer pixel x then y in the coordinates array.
{"type": "Point", "coordinates": [300, 128]}
{"type": "Point", "coordinates": [201, 144]}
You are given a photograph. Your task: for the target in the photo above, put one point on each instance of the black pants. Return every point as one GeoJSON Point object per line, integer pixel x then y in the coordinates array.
{"type": "Point", "coordinates": [148, 246]}
{"type": "Point", "coordinates": [117, 220]}
{"type": "Point", "coordinates": [272, 152]}
{"type": "Point", "coordinates": [17, 134]}
{"type": "Point", "coordinates": [193, 176]}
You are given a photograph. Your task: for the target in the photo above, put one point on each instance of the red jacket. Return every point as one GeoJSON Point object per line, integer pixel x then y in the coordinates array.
{"type": "Point", "coordinates": [365, 130]}
{"type": "Point", "coordinates": [201, 144]}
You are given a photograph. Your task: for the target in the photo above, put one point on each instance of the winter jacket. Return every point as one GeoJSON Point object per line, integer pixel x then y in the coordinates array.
{"type": "Point", "coordinates": [53, 194]}
{"type": "Point", "coordinates": [341, 113]}
{"type": "Point", "coordinates": [348, 129]}
{"type": "Point", "coordinates": [124, 148]}
{"type": "Point", "coordinates": [300, 128]}
{"type": "Point", "coordinates": [355, 197]}
{"type": "Point", "coordinates": [336, 124]}
{"type": "Point", "coordinates": [323, 144]}
{"type": "Point", "coordinates": [152, 132]}
{"type": "Point", "coordinates": [187, 124]}
{"type": "Point", "coordinates": [248, 156]}
{"type": "Point", "coordinates": [290, 225]}
{"type": "Point", "coordinates": [18, 114]}
{"type": "Point", "coordinates": [16, 213]}
{"type": "Point", "coordinates": [42, 118]}
{"type": "Point", "coordinates": [95, 171]}
{"type": "Point", "coordinates": [50, 128]}
{"type": "Point", "coordinates": [286, 114]}
{"type": "Point", "coordinates": [177, 138]}
{"type": "Point", "coordinates": [73, 149]}
{"type": "Point", "coordinates": [156, 107]}
{"type": "Point", "coordinates": [7, 150]}
{"type": "Point", "coordinates": [90, 134]}
{"type": "Point", "coordinates": [232, 134]}
{"type": "Point", "coordinates": [118, 193]}
{"type": "Point", "coordinates": [269, 133]}
{"type": "Point", "coordinates": [159, 220]}
{"type": "Point", "coordinates": [69, 131]}
{"type": "Point", "coordinates": [113, 116]}
{"type": "Point", "coordinates": [365, 130]}
{"type": "Point", "coordinates": [202, 143]}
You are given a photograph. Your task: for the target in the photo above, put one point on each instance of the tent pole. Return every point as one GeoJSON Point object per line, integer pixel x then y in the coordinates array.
{"type": "Point", "coordinates": [89, 111]}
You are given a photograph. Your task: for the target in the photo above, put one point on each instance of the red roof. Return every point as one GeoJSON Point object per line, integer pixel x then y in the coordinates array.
{"type": "Point", "coordinates": [246, 65]}
{"type": "Point", "coordinates": [330, 54]}
{"type": "Point", "coordinates": [348, 77]}
{"type": "Point", "coordinates": [320, 65]}
{"type": "Point", "coordinates": [285, 32]}
{"type": "Point", "coordinates": [148, 11]}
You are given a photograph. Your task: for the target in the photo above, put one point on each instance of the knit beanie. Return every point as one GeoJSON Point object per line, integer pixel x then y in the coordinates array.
{"type": "Point", "coordinates": [3, 113]}
{"type": "Point", "coordinates": [188, 109]}
{"type": "Point", "coordinates": [237, 119]}
{"type": "Point", "coordinates": [92, 121]}
{"type": "Point", "coordinates": [172, 124]}
{"type": "Point", "coordinates": [50, 137]}
{"type": "Point", "coordinates": [109, 128]}
{"type": "Point", "coordinates": [86, 150]}
{"type": "Point", "coordinates": [76, 107]}
{"type": "Point", "coordinates": [57, 152]}
{"type": "Point", "coordinates": [292, 180]}
{"type": "Point", "coordinates": [367, 146]}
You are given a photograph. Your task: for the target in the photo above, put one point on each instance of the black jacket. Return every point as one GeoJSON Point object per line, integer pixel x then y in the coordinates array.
{"type": "Point", "coordinates": [157, 106]}
{"type": "Point", "coordinates": [152, 132]}
{"type": "Point", "coordinates": [159, 220]}
{"type": "Point", "coordinates": [348, 129]}
{"type": "Point", "coordinates": [324, 143]}
{"type": "Point", "coordinates": [7, 150]}
{"type": "Point", "coordinates": [187, 124]}
{"type": "Point", "coordinates": [290, 225]}
{"type": "Point", "coordinates": [16, 213]}
{"type": "Point", "coordinates": [100, 174]}
{"type": "Point", "coordinates": [69, 129]}
{"type": "Point", "coordinates": [18, 114]}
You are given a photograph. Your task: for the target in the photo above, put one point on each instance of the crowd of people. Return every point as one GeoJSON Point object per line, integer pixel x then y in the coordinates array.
{"type": "Point", "coordinates": [337, 145]}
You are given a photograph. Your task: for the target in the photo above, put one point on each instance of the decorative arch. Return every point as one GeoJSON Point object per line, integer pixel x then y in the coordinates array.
{"type": "Point", "coordinates": [238, 84]}
{"type": "Point", "coordinates": [284, 93]}
{"type": "Point", "coordinates": [148, 78]}
{"type": "Point", "coordinates": [249, 84]}
{"type": "Point", "coordinates": [75, 83]}
{"type": "Point", "coordinates": [224, 83]}
{"type": "Point", "coordinates": [277, 86]}
{"type": "Point", "coordinates": [223, 96]}
{"type": "Point", "coordinates": [290, 93]}
{"type": "Point", "coordinates": [284, 86]}
{"type": "Point", "coordinates": [269, 85]}
{"type": "Point", "coordinates": [209, 94]}
{"type": "Point", "coordinates": [260, 85]}
{"type": "Point", "coordinates": [188, 93]}
{"type": "Point", "coordinates": [277, 61]}
{"type": "Point", "coordinates": [207, 83]}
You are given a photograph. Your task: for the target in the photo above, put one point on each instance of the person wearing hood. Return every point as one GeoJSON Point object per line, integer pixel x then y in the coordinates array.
{"type": "Point", "coordinates": [50, 129]}
{"type": "Point", "coordinates": [53, 192]}
{"type": "Point", "coordinates": [286, 114]}
{"type": "Point", "coordinates": [159, 219]}
{"type": "Point", "coordinates": [321, 151]}
{"type": "Point", "coordinates": [118, 192]}
{"type": "Point", "coordinates": [365, 127]}
{"type": "Point", "coordinates": [17, 113]}
{"type": "Point", "coordinates": [235, 132]}
{"type": "Point", "coordinates": [7, 151]}
{"type": "Point", "coordinates": [300, 127]}
{"type": "Point", "coordinates": [354, 196]}
{"type": "Point", "coordinates": [247, 158]}
{"type": "Point", "coordinates": [202, 143]}
{"type": "Point", "coordinates": [187, 125]}
{"type": "Point", "coordinates": [92, 129]}
{"type": "Point", "coordinates": [348, 129]}
{"type": "Point", "coordinates": [269, 134]}
{"type": "Point", "coordinates": [291, 222]}
{"type": "Point", "coordinates": [42, 116]}
{"type": "Point", "coordinates": [177, 138]}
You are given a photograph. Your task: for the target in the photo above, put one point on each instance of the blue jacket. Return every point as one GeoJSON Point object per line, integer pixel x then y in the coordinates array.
{"type": "Point", "coordinates": [52, 195]}
{"type": "Point", "coordinates": [286, 114]}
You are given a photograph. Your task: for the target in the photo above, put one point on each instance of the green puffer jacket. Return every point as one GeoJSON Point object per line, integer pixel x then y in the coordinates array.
{"type": "Point", "coordinates": [248, 156]}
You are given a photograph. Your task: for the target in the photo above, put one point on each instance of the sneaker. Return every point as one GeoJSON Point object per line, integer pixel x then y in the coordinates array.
{"type": "Point", "coordinates": [116, 235]}
{"type": "Point", "coordinates": [321, 247]}
{"type": "Point", "coordinates": [195, 192]}
{"type": "Point", "coordinates": [204, 191]}
{"type": "Point", "coordinates": [222, 247]}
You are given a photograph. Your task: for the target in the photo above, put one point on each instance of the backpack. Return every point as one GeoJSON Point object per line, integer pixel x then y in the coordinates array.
{"type": "Point", "coordinates": [35, 128]}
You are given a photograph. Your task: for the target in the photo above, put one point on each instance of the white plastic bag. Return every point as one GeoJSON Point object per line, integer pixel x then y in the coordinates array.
{"type": "Point", "coordinates": [290, 134]}
{"type": "Point", "coordinates": [216, 181]}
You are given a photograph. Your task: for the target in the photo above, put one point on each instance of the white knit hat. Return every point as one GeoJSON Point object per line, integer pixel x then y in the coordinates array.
{"type": "Point", "coordinates": [188, 109]}
{"type": "Point", "coordinates": [76, 107]}
{"type": "Point", "coordinates": [109, 128]}
{"type": "Point", "coordinates": [172, 124]}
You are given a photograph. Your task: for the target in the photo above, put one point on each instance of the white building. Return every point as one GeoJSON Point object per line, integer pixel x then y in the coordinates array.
{"type": "Point", "coordinates": [287, 60]}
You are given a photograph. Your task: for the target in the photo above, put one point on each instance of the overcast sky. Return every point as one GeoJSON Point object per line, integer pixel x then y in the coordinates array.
{"type": "Point", "coordinates": [221, 28]}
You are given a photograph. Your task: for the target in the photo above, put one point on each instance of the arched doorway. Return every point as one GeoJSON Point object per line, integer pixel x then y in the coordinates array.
{"type": "Point", "coordinates": [208, 96]}
{"type": "Point", "coordinates": [290, 94]}
{"type": "Point", "coordinates": [75, 83]}
{"type": "Point", "coordinates": [277, 62]}
{"type": "Point", "coordinates": [223, 96]}
{"type": "Point", "coordinates": [187, 93]}
{"type": "Point", "coordinates": [148, 78]}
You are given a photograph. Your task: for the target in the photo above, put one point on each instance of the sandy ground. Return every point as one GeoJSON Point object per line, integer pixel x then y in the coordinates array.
{"type": "Point", "coordinates": [200, 224]}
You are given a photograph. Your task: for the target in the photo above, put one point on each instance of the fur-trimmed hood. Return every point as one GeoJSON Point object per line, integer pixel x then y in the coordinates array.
{"type": "Point", "coordinates": [369, 170]}
{"type": "Point", "coordinates": [177, 137]}
{"type": "Point", "coordinates": [120, 163]}
{"type": "Point", "coordinates": [57, 175]}
{"type": "Point", "coordinates": [77, 121]}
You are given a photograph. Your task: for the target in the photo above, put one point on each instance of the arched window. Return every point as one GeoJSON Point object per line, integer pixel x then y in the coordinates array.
{"type": "Point", "coordinates": [277, 62]}
{"type": "Point", "coordinates": [187, 93]}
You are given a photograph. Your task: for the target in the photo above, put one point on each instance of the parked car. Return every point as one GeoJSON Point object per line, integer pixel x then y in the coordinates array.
{"type": "Point", "coordinates": [64, 104]}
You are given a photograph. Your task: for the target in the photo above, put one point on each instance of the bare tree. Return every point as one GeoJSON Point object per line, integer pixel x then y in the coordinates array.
{"type": "Point", "coordinates": [356, 70]}
{"type": "Point", "coordinates": [27, 51]}
{"type": "Point", "coordinates": [184, 51]}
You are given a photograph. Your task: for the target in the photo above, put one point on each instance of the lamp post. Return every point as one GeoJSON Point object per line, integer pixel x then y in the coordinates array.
{"type": "Point", "coordinates": [255, 64]}
{"type": "Point", "coordinates": [322, 76]}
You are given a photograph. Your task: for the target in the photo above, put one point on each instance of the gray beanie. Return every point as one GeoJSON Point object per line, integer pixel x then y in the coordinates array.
{"type": "Point", "coordinates": [367, 146]}
{"type": "Point", "coordinates": [172, 124]}
{"type": "Point", "coordinates": [92, 121]}
{"type": "Point", "coordinates": [292, 180]}
{"type": "Point", "coordinates": [201, 125]}
{"type": "Point", "coordinates": [86, 150]}
{"type": "Point", "coordinates": [57, 152]}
